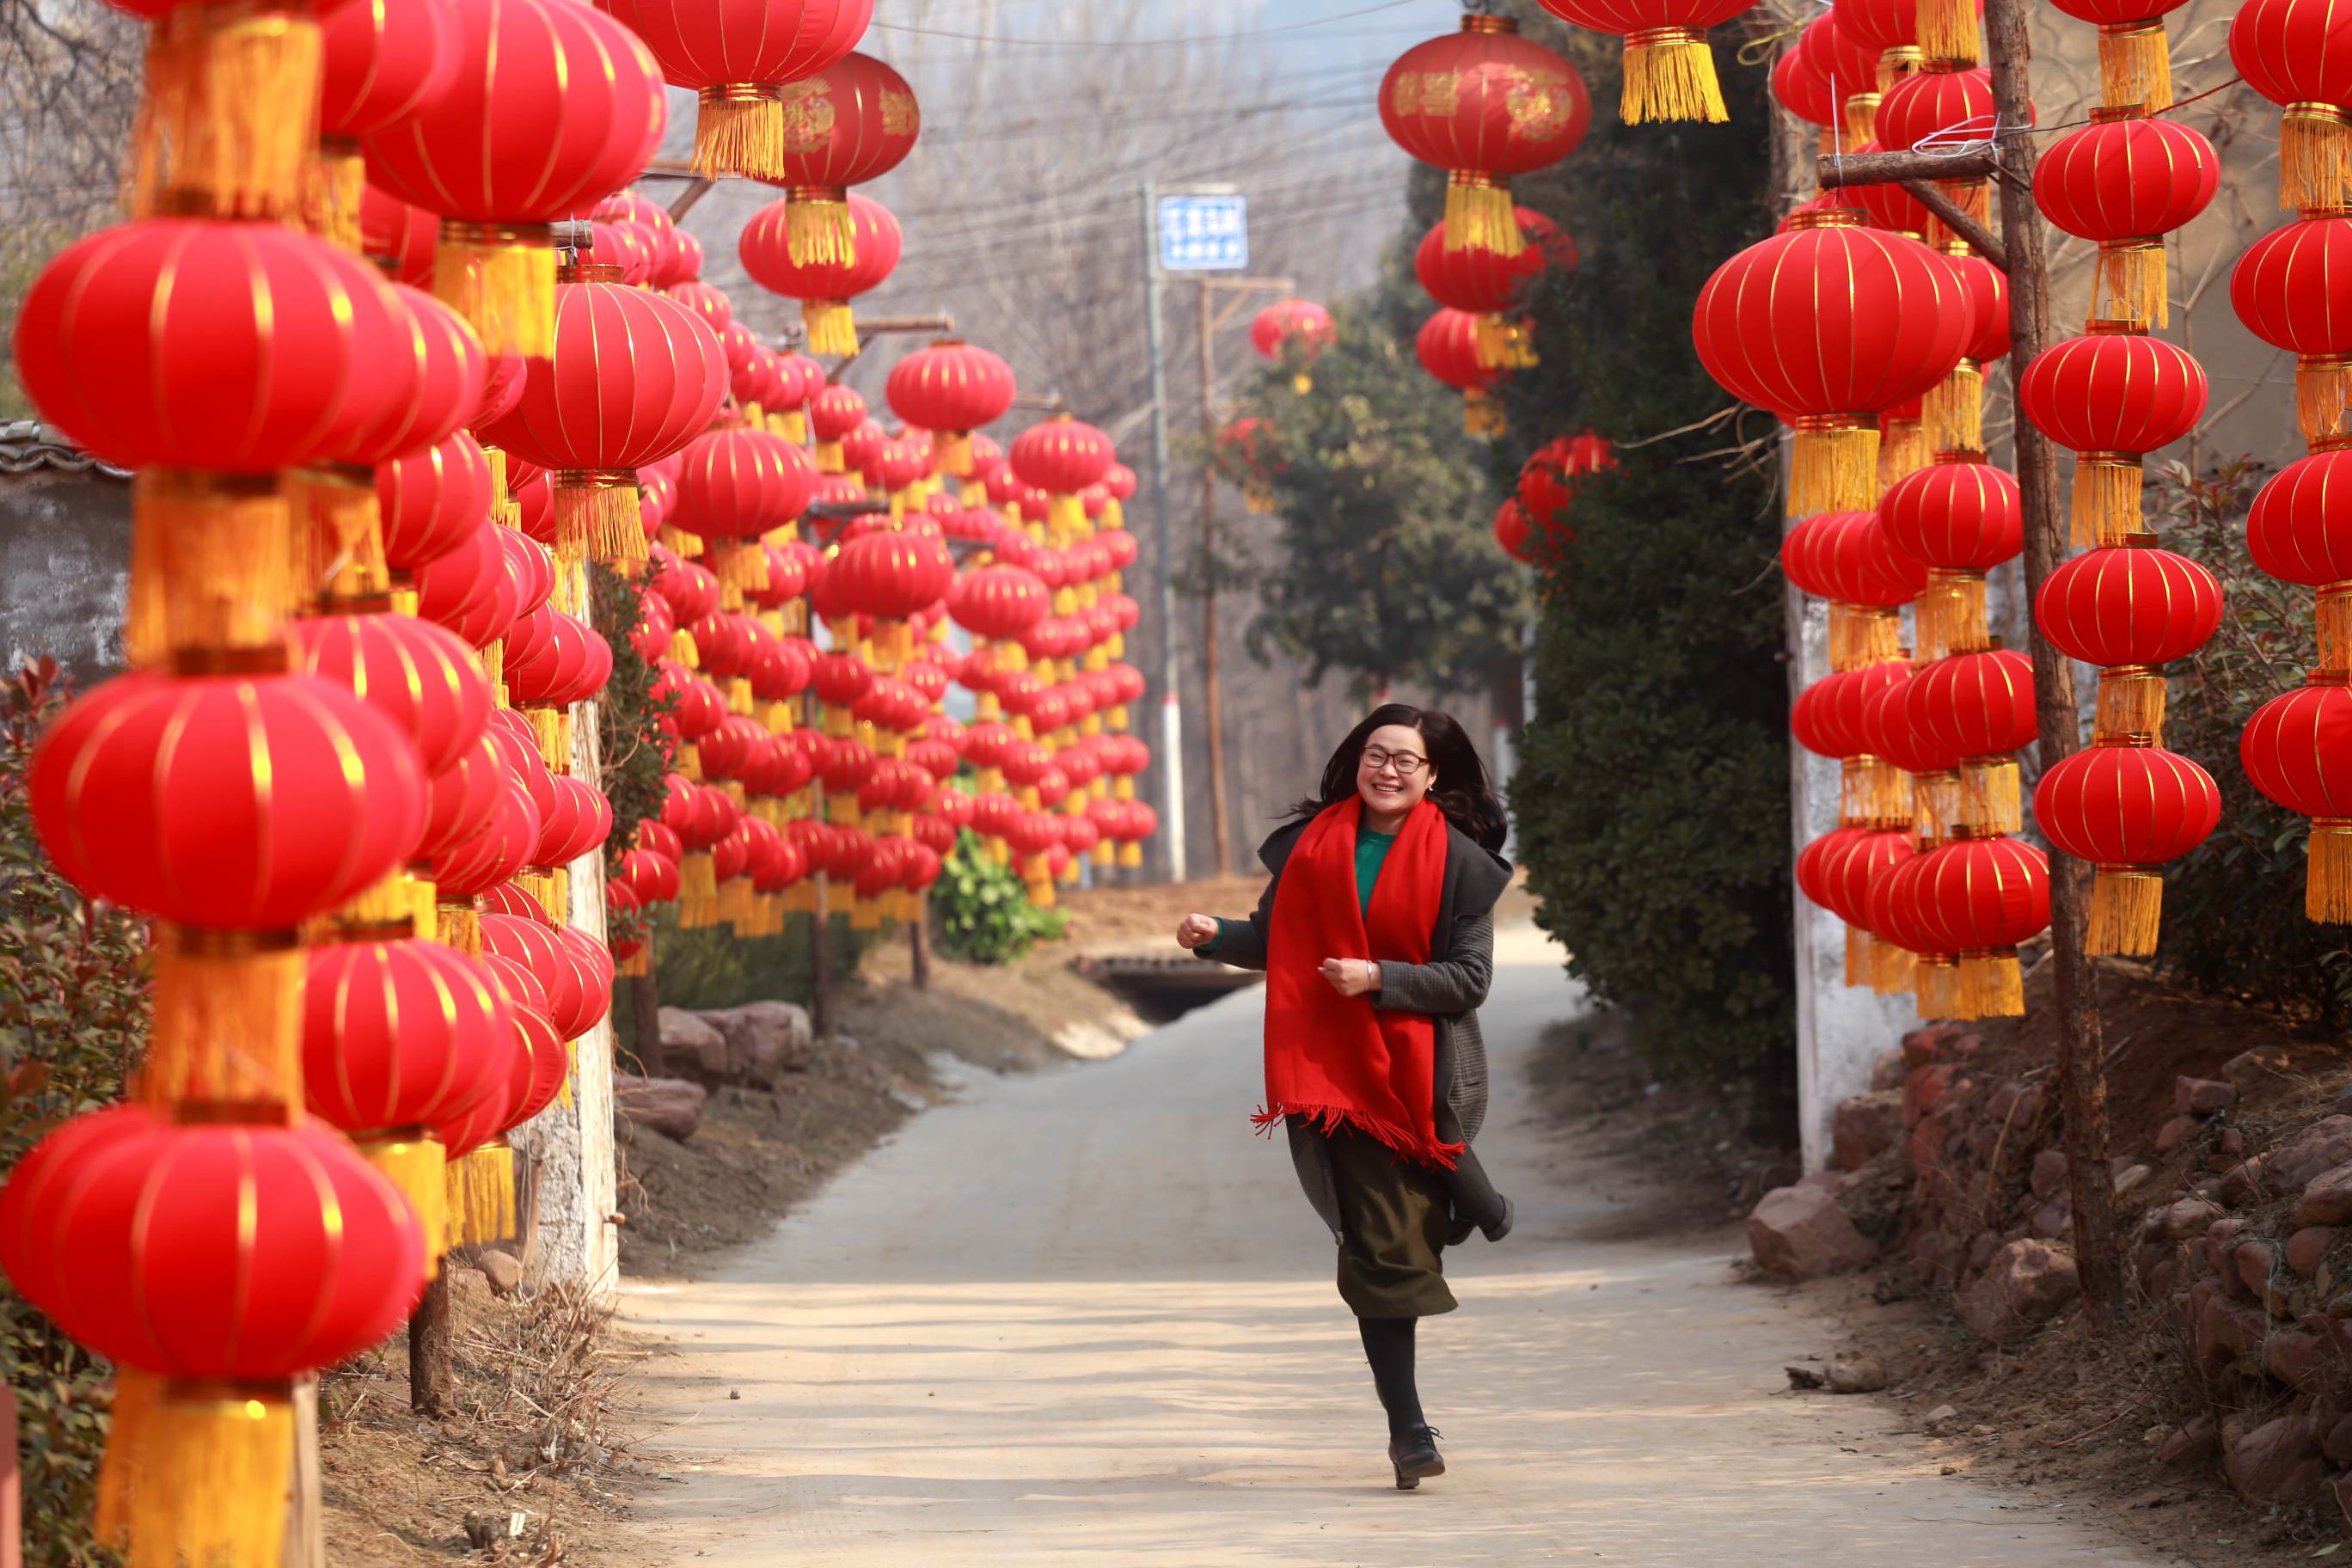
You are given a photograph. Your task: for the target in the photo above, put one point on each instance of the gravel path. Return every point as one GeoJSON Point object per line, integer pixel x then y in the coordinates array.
{"type": "Point", "coordinates": [1084, 1317]}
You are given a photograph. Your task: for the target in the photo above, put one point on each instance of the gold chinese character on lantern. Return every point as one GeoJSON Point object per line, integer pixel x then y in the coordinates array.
{"type": "Point", "coordinates": [808, 114]}
{"type": "Point", "coordinates": [1538, 109]}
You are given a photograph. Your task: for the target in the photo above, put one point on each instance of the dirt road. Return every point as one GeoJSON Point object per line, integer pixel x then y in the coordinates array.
{"type": "Point", "coordinates": [1084, 1317]}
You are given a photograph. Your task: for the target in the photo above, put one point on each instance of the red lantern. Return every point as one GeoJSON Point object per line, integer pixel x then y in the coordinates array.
{"type": "Point", "coordinates": [2126, 181]}
{"type": "Point", "coordinates": [414, 673]}
{"type": "Point", "coordinates": [743, 59]}
{"type": "Point", "coordinates": [554, 106]}
{"type": "Point", "coordinates": [1979, 707]}
{"type": "Point", "coordinates": [2126, 810]}
{"type": "Point", "coordinates": [2286, 288]}
{"type": "Point", "coordinates": [399, 1037]}
{"type": "Point", "coordinates": [237, 803]}
{"type": "Point", "coordinates": [1449, 348]}
{"type": "Point", "coordinates": [1801, 89]}
{"type": "Point", "coordinates": [1963, 518]}
{"type": "Point", "coordinates": [2299, 56]}
{"type": "Point", "coordinates": [1985, 896]}
{"type": "Point", "coordinates": [2112, 395]}
{"type": "Point", "coordinates": [1512, 532]}
{"type": "Point", "coordinates": [1851, 560]}
{"type": "Point", "coordinates": [398, 237]}
{"type": "Point", "coordinates": [823, 287]}
{"type": "Point", "coordinates": [2297, 750]}
{"type": "Point", "coordinates": [1484, 283]}
{"type": "Point", "coordinates": [734, 486]}
{"type": "Point", "coordinates": [2130, 610]}
{"type": "Point", "coordinates": [1850, 66]}
{"type": "Point", "coordinates": [634, 376]}
{"type": "Point", "coordinates": [953, 388]}
{"type": "Point", "coordinates": [1484, 104]}
{"type": "Point", "coordinates": [500, 845]}
{"type": "Point", "coordinates": [2299, 530]}
{"type": "Point", "coordinates": [378, 64]}
{"type": "Point", "coordinates": [848, 127]}
{"type": "Point", "coordinates": [1847, 874]}
{"type": "Point", "coordinates": [1297, 326]}
{"type": "Point", "coordinates": [1832, 288]}
{"type": "Point", "coordinates": [431, 501]}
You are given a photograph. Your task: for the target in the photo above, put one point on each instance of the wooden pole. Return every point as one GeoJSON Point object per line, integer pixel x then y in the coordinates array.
{"type": "Point", "coordinates": [918, 942]}
{"type": "Point", "coordinates": [305, 1541]}
{"type": "Point", "coordinates": [431, 1358]}
{"type": "Point", "coordinates": [644, 1006]}
{"type": "Point", "coordinates": [2081, 1073]}
{"type": "Point", "coordinates": [11, 1489]}
{"type": "Point", "coordinates": [1212, 688]}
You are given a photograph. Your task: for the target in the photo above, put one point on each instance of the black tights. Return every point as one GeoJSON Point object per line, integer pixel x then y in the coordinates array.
{"type": "Point", "coordinates": [1387, 1345]}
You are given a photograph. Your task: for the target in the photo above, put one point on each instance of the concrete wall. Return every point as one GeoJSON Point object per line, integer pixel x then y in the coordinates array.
{"type": "Point", "coordinates": [65, 556]}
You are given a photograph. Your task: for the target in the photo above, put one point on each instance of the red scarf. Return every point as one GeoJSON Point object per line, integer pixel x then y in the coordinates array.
{"type": "Point", "coordinates": [1338, 1060]}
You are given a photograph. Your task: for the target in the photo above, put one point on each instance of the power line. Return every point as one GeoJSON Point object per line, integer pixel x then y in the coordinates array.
{"type": "Point", "coordinates": [1180, 43]}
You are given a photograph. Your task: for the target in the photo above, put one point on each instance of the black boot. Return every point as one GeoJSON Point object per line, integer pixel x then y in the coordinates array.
{"type": "Point", "coordinates": [1474, 1203]}
{"type": "Point", "coordinates": [1415, 1456]}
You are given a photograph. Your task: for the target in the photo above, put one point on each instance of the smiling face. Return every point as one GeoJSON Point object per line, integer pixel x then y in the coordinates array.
{"type": "Point", "coordinates": [1393, 773]}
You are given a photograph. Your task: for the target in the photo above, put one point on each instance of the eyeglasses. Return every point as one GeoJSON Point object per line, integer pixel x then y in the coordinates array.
{"type": "Point", "coordinates": [1405, 763]}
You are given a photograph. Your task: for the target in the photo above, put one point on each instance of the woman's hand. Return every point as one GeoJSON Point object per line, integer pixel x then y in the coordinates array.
{"type": "Point", "coordinates": [1194, 930]}
{"type": "Point", "coordinates": [1351, 976]}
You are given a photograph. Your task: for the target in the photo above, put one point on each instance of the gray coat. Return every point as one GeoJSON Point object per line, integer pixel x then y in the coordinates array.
{"type": "Point", "coordinates": [1449, 987]}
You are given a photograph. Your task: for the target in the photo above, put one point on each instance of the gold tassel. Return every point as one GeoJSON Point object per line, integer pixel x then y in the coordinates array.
{"type": "Point", "coordinates": [2327, 894]}
{"type": "Point", "coordinates": [683, 651]}
{"type": "Point", "coordinates": [333, 184]}
{"type": "Point", "coordinates": [683, 545]}
{"type": "Point", "coordinates": [195, 1473]}
{"type": "Point", "coordinates": [2107, 508]}
{"type": "Point", "coordinates": [739, 130]}
{"type": "Point", "coordinates": [400, 904]}
{"type": "Point", "coordinates": [1992, 986]}
{"type": "Point", "coordinates": [1670, 75]}
{"type": "Point", "coordinates": [1903, 449]}
{"type": "Point", "coordinates": [1935, 805]}
{"type": "Point", "coordinates": [2322, 392]}
{"type": "Point", "coordinates": [227, 1028]}
{"type": "Point", "coordinates": [1479, 215]}
{"type": "Point", "coordinates": [1482, 417]}
{"type": "Point", "coordinates": [539, 887]}
{"type": "Point", "coordinates": [2315, 156]}
{"type": "Point", "coordinates": [735, 906]}
{"type": "Point", "coordinates": [801, 897]}
{"type": "Point", "coordinates": [955, 454]}
{"type": "Point", "coordinates": [698, 893]}
{"type": "Point", "coordinates": [501, 279]}
{"type": "Point", "coordinates": [459, 926]}
{"type": "Point", "coordinates": [1952, 412]}
{"type": "Point", "coordinates": [339, 525]}
{"type": "Point", "coordinates": [1990, 800]}
{"type": "Point", "coordinates": [2135, 66]}
{"type": "Point", "coordinates": [481, 1195]}
{"type": "Point", "coordinates": [818, 227]}
{"type": "Point", "coordinates": [1862, 116]}
{"type": "Point", "coordinates": [832, 329]}
{"type": "Point", "coordinates": [2126, 907]}
{"type": "Point", "coordinates": [1890, 968]}
{"type": "Point", "coordinates": [1834, 466]}
{"type": "Point", "coordinates": [2335, 617]}
{"type": "Point", "coordinates": [552, 734]}
{"type": "Point", "coordinates": [230, 115]}
{"type": "Point", "coordinates": [571, 1071]}
{"type": "Point", "coordinates": [1863, 635]}
{"type": "Point", "coordinates": [742, 565]}
{"type": "Point", "coordinates": [2130, 707]}
{"type": "Point", "coordinates": [212, 564]}
{"type": "Point", "coordinates": [2132, 282]}
{"type": "Point", "coordinates": [795, 428]}
{"type": "Point", "coordinates": [1935, 981]}
{"type": "Point", "coordinates": [415, 1163]}
{"type": "Point", "coordinates": [1948, 31]}
{"type": "Point", "coordinates": [1130, 856]}
{"type": "Point", "coordinates": [1859, 958]}
{"type": "Point", "coordinates": [598, 517]}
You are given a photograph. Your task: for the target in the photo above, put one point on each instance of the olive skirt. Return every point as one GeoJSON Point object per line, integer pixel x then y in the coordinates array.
{"type": "Point", "coordinates": [1395, 1219]}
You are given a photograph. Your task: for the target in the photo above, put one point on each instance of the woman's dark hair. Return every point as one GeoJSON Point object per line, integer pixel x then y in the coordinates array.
{"type": "Point", "coordinates": [1461, 790]}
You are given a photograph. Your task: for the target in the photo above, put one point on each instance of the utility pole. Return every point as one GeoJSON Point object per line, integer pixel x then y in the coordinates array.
{"type": "Point", "coordinates": [1171, 716]}
{"type": "Point", "coordinates": [1212, 690]}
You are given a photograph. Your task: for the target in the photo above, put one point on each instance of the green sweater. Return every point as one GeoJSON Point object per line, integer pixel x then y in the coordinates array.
{"type": "Point", "coordinates": [1371, 852]}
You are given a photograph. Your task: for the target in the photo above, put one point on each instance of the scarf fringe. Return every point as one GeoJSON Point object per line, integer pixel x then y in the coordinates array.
{"type": "Point", "coordinates": [1328, 1119]}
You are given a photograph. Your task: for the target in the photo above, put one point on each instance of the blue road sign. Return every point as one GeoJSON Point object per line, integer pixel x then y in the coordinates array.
{"type": "Point", "coordinates": [1203, 233]}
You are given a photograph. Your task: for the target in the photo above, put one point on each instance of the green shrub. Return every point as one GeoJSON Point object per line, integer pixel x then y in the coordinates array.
{"type": "Point", "coordinates": [73, 1011]}
{"type": "Point", "coordinates": [983, 914]}
{"type": "Point", "coordinates": [630, 749]}
{"type": "Point", "coordinates": [2233, 921]}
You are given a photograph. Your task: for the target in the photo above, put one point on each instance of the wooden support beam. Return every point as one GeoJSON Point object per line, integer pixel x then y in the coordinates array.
{"type": "Point", "coordinates": [1981, 238]}
{"type": "Point", "coordinates": [1880, 168]}
{"type": "Point", "coordinates": [2082, 1071]}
